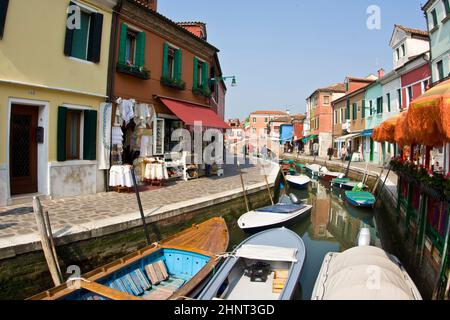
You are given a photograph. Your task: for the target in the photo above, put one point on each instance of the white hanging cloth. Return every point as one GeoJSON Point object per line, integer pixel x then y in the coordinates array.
{"type": "Point", "coordinates": [104, 146]}
{"type": "Point", "coordinates": [143, 115]}
{"type": "Point", "coordinates": [146, 146]}
{"type": "Point", "coordinates": [124, 111]}
{"type": "Point", "coordinates": [117, 136]}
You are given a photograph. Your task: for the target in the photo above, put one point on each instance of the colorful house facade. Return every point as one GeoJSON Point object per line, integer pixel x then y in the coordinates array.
{"type": "Point", "coordinates": [437, 13]}
{"type": "Point", "coordinates": [320, 117]}
{"type": "Point", "coordinates": [53, 80]}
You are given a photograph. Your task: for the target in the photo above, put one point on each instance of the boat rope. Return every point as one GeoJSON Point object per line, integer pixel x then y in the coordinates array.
{"type": "Point", "coordinates": [225, 255]}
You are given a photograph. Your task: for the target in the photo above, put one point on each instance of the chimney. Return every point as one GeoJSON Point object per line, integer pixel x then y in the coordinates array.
{"type": "Point", "coordinates": [153, 4]}
{"type": "Point", "coordinates": [380, 73]}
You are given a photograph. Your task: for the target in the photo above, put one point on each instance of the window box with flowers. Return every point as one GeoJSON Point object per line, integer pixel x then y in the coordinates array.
{"type": "Point", "coordinates": [132, 70]}
{"type": "Point", "coordinates": [433, 184]}
{"type": "Point", "coordinates": [202, 91]}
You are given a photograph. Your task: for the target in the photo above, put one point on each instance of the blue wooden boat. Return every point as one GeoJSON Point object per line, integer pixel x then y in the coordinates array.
{"type": "Point", "coordinates": [171, 269]}
{"type": "Point", "coordinates": [266, 266]}
{"type": "Point", "coordinates": [360, 198]}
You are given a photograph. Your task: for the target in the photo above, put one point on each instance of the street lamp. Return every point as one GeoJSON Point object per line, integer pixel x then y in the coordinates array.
{"type": "Point", "coordinates": [233, 81]}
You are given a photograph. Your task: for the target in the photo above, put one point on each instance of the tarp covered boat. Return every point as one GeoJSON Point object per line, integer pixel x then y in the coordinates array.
{"type": "Point", "coordinates": [345, 184]}
{"type": "Point", "coordinates": [360, 198]}
{"type": "Point", "coordinates": [170, 269]}
{"type": "Point", "coordinates": [266, 266]}
{"type": "Point", "coordinates": [350, 276]}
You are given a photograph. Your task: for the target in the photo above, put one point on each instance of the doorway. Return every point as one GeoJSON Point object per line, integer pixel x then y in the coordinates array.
{"type": "Point", "coordinates": [23, 149]}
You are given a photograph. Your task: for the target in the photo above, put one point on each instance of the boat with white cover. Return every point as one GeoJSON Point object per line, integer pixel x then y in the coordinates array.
{"type": "Point", "coordinates": [327, 175]}
{"type": "Point", "coordinates": [298, 182]}
{"type": "Point", "coordinates": [313, 170]}
{"type": "Point", "coordinates": [363, 273]}
{"type": "Point", "coordinates": [266, 266]}
{"type": "Point", "coordinates": [278, 215]}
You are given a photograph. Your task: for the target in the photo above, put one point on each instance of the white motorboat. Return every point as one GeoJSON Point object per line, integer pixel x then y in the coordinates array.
{"type": "Point", "coordinates": [266, 266]}
{"type": "Point", "coordinates": [281, 214]}
{"type": "Point", "coordinates": [298, 182]}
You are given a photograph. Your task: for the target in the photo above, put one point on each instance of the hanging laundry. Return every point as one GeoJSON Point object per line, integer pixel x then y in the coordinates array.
{"type": "Point", "coordinates": [117, 136]}
{"type": "Point", "coordinates": [124, 110]}
{"type": "Point", "coordinates": [104, 145]}
{"type": "Point", "coordinates": [146, 146]}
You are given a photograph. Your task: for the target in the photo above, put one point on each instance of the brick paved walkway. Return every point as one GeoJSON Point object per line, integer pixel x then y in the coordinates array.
{"type": "Point", "coordinates": [67, 213]}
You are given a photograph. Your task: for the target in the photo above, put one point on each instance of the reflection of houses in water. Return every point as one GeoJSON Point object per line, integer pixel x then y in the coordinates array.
{"type": "Point", "coordinates": [319, 215]}
{"type": "Point", "coordinates": [343, 226]}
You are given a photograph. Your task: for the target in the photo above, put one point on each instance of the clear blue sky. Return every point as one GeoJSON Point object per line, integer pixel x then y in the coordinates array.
{"type": "Point", "coordinates": [281, 51]}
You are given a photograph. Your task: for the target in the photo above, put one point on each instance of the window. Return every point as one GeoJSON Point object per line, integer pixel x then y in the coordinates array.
{"type": "Point", "coordinates": [342, 115]}
{"type": "Point", "coordinates": [399, 95]}
{"type": "Point", "coordinates": [447, 7]}
{"type": "Point", "coordinates": [398, 53]}
{"type": "Point", "coordinates": [214, 85]}
{"type": "Point", "coordinates": [201, 80]}
{"type": "Point", "coordinates": [403, 50]}
{"type": "Point", "coordinates": [355, 111]}
{"type": "Point", "coordinates": [363, 109]}
{"type": "Point", "coordinates": [84, 43]}
{"type": "Point", "coordinates": [388, 99]}
{"type": "Point", "coordinates": [130, 48]}
{"type": "Point", "coordinates": [254, 130]}
{"type": "Point", "coordinates": [171, 73]}
{"type": "Point", "coordinates": [434, 19]}
{"type": "Point", "coordinates": [425, 85]}
{"type": "Point", "coordinates": [254, 120]}
{"type": "Point", "coordinates": [410, 95]}
{"type": "Point", "coordinates": [335, 117]}
{"type": "Point", "coordinates": [266, 120]}
{"type": "Point", "coordinates": [380, 105]}
{"type": "Point", "coordinates": [440, 70]}
{"type": "Point", "coordinates": [171, 63]}
{"type": "Point", "coordinates": [326, 100]}
{"type": "Point", "coordinates": [76, 134]}
{"type": "Point", "coordinates": [73, 129]}
{"type": "Point", "coordinates": [371, 107]}
{"type": "Point", "coordinates": [3, 10]}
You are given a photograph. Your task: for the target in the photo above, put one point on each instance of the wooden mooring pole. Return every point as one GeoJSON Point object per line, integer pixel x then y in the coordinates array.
{"type": "Point", "coordinates": [46, 245]}
{"type": "Point", "coordinates": [243, 187]}
{"type": "Point", "coordinates": [138, 198]}
{"type": "Point", "coordinates": [267, 184]}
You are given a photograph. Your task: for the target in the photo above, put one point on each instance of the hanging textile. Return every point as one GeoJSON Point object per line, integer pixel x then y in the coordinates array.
{"type": "Point", "coordinates": [104, 145]}
{"type": "Point", "coordinates": [124, 111]}
{"type": "Point", "coordinates": [146, 146]}
{"type": "Point", "coordinates": [143, 115]}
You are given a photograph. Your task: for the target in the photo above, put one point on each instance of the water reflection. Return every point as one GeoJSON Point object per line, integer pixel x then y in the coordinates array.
{"type": "Point", "coordinates": [333, 225]}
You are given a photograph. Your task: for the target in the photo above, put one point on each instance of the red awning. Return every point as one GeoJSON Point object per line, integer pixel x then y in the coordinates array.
{"type": "Point", "coordinates": [189, 112]}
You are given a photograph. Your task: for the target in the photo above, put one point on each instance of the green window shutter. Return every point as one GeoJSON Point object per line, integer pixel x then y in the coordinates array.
{"type": "Point", "coordinates": [123, 43]}
{"type": "Point", "coordinates": [355, 111]}
{"type": "Point", "coordinates": [90, 135]}
{"type": "Point", "coordinates": [95, 37]}
{"type": "Point", "coordinates": [205, 73]}
{"type": "Point", "coordinates": [347, 111]}
{"type": "Point", "coordinates": [195, 73]}
{"type": "Point", "coordinates": [178, 64]}
{"type": "Point", "coordinates": [381, 104]}
{"type": "Point", "coordinates": [140, 49]}
{"type": "Point", "coordinates": [80, 38]}
{"type": "Point", "coordinates": [69, 37]}
{"type": "Point", "coordinates": [61, 137]}
{"type": "Point", "coordinates": [363, 109]}
{"type": "Point", "coordinates": [389, 102]}
{"type": "Point", "coordinates": [3, 10]}
{"type": "Point", "coordinates": [165, 68]}
{"type": "Point", "coordinates": [370, 106]}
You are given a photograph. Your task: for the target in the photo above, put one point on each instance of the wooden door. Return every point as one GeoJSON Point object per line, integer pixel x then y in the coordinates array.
{"type": "Point", "coordinates": [23, 149]}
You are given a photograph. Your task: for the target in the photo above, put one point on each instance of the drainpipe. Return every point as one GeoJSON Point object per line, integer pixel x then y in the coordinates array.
{"type": "Point", "coordinates": [112, 70]}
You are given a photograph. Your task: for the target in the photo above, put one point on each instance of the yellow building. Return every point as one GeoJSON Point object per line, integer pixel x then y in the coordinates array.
{"type": "Point", "coordinates": [53, 84]}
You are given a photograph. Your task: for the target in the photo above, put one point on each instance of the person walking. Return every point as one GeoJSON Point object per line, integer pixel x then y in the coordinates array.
{"type": "Point", "coordinates": [330, 152]}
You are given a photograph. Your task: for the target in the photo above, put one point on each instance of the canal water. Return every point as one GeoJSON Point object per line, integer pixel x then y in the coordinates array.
{"type": "Point", "coordinates": [333, 226]}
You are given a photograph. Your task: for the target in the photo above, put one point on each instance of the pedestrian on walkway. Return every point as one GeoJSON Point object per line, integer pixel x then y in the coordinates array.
{"type": "Point", "coordinates": [330, 152]}
{"type": "Point", "coordinates": [343, 153]}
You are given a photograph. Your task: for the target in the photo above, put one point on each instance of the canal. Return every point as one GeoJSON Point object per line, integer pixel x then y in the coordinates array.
{"type": "Point", "coordinates": [333, 226]}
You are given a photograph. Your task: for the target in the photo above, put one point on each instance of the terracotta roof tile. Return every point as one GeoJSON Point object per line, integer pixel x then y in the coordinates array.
{"type": "Point", "coordinates": [271, 112]}
{"type": "Point", "coordinates": [417, 32]}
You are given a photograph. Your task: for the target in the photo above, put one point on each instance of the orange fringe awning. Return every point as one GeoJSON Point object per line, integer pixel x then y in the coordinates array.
{"type": "Point", "coordinates": [385, 132]}
{"type": "Point", "coordinates": [402, 134]}
{"type": "Point", "coordinates": [428, 118]}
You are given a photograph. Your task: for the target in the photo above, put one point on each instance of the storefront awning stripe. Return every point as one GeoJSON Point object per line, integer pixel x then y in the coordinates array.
{"type": "Point", "coordinates": [348, 137]}
{"type": "Point", "coordinates": [190, 113]}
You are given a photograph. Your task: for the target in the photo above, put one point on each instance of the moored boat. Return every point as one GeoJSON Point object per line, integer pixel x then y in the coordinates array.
{"type": "Point", "coordinates": [298, 182]}
{"type": "Point", "coordinates": [170, 269]}
{"type": "Point", "coordinates": [326, 175]}
{"type": "Point", "coordinates": [266, 266]}
{"type": "Point", "coordinates": [361, 199]}
{"type": "Point", "coordinates": [344, 184]}
{"type": "Point", "coordinates": [278, 215]}
{"type": "Point", "coordinates": [313, 170]}
{"type": "Point", "coordinates": [363, 273]}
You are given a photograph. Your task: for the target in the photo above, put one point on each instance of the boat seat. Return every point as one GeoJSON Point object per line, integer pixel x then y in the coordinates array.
{"type": "Point", "coordinates": [157, 272]}
{"type": "Point", "coordinates": [281, 208]}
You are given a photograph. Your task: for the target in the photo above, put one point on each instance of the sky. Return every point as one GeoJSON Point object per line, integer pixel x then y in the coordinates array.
{"type": "Point", "coordinates": [282, 51]}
